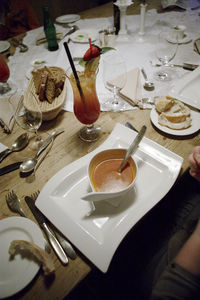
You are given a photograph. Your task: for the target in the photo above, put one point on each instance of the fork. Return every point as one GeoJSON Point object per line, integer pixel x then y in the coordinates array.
{"type": "Point", "coordinates": [14, 204]}
{"type": "Point", "coordinates": [64, 243]}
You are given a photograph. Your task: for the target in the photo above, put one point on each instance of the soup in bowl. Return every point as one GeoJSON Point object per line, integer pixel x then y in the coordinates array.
{"type": "Point", "coordinates": [105, 179]}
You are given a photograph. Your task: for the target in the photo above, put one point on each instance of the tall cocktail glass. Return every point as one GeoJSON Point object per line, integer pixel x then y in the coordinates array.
{"type": "Point", "coordinates": [6, 89]}
{"type": "Point", "coordinates": [86, 102]}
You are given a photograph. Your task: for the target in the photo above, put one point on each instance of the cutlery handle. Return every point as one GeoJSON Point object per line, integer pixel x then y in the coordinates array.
{"type": "Point", "coordinates": [55, 244]}
{"type": "Point", "coordinates": [4, 153]}
{"type": "Point", "coordinates": [144, 74]}
{"type": "Point", "coordinates": [66, 245]}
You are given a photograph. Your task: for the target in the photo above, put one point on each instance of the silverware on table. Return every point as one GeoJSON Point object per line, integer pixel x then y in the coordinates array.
{"type": "Point", "coordinates": [19, 144]}
{"type": "Point", "coordinates": [64, 243]}
{"type": "Point", "coordinates": [13, 202]}
{"type": "Point", "coordinates": [148, 85]}
{"type": "Point", "coordinates": [50, 235]}
{"type": "Point", "coordinates": [129, 125]}
{"type": "Point", "coordinates": [186, 66]}
{"type": "Point", "coordinates": [15, 42]}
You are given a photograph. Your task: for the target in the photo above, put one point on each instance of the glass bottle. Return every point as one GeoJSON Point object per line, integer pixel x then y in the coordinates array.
{"type": "Point", "coordinates": [116, 13]}
{"type": "Point", "coordinates": [50, 31]}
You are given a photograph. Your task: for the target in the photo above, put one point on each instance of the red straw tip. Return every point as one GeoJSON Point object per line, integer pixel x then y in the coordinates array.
{"type": "Point", "coordinates": [90, 42]}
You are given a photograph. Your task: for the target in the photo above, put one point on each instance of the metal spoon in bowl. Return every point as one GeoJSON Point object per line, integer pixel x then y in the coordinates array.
{"type": "Point", "coordinates": [133, 146]}
{"type": "Point", "coordinates": [20, 143]}
{"type": "Point", "coordinates": [148, 85]}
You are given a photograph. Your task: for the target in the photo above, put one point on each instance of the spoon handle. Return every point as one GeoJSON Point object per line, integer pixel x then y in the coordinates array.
{"type": "Point", "coordinates": [144, 74]}
{"type": "Point", "coordinates": [133, 146]}
{"type": "Point", "coordinates": [4, 153]}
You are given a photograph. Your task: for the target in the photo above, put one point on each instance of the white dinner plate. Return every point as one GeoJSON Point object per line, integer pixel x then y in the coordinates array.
{"type": "Point", "coordinates": [4, 45]}
{"type": "Point", "coordinates": [67, 19]}
{"type": "Point", "coordinates": [16, 273]}
{"type": "Point", "coordinates": [82, 36]}
{"type": "Point", "coordinates": [98, 234]}
{"type": "Point", "coordinates": [186, 39]}
{"type": "Point", "coordinates": [195, 116]}
{"type": "Point", "coordinates": [186, 89]}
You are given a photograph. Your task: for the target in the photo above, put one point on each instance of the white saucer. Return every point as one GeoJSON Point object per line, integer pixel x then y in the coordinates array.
{"type": "Point", "coordinates": [187, 38]}
{"type": "Point", "coordinates": [18, 272]}
{"type": "Point", "coordinates": [82, 36]}
{"type": "Point", "coordinates": [65, 19]}
{"type": "Point", "coordinates": [183, 132]}
{"type": "Point", "coordinates": [4, 45]}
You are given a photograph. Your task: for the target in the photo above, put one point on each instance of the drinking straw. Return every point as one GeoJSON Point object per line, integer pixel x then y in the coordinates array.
{"type": "Point", "coordinates": [73, 69]}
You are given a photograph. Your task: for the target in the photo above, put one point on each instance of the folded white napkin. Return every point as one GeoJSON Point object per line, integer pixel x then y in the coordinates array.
{"type": "Point", "coordinates": [132, 91]}
{"type": "Point", "coordinates": [7, 119]}
{"type": "Point", "coordinates": [42, 39]}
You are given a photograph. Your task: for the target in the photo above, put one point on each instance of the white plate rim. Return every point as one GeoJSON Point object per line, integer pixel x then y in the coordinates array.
{"type": "Point", "coordinates": [84, 31]}
{"type": "Point", "coordinates": [36, 235]}
{"type": "Point", "coordinates": [101, 253]}
{"type": "Point", "coordinates": [183, 132]}
{"type": "Point", "coordinates": [185, 40]}
{"type": "Point", "coordinates": [4, 45]}
{"type": "Point", "coordinates": [176, 88]}
{"type": "Point", "coordinates": [63, 19]}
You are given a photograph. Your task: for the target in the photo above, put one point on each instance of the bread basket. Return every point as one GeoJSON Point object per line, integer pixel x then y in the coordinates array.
{"type": "Point", "coordinates": [49, 110]}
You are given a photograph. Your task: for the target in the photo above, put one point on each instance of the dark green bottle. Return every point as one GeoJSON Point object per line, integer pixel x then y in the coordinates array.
{"type": "Point", "coordinates": [49, 30]}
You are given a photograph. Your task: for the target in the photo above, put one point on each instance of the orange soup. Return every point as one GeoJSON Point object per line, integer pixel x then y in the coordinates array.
{"type": "Point", "coordinates": [106, 177]}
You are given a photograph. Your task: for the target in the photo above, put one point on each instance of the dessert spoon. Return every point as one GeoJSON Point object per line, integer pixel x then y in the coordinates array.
{"type": "Point", "coordinates": [20, 143]}
{"type": "Point", "coordinates": [148, 85]}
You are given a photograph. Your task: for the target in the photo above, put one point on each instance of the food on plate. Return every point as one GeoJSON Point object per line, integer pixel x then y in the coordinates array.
{"type": "Point", "coordinates": [48, 82]}
{"type": "Point", "coordinates": [22, 247]}
{"type": "Point", "coordinates": [91, 58]}
{"type": "Point", "coordinates": [173, 113]}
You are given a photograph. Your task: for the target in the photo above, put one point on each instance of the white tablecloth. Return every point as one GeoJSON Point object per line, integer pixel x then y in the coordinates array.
{"type": "Point", "coordinates": [137, 53]}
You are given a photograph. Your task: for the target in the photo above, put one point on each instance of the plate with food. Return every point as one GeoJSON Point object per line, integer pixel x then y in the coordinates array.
{"type": "Point", "coordinates": [65, 19]}
{"type": "Point", "coordinates": [82, 36]}
{"type": "Point", "coordinates": [49, 86]}
{"type": "Point", "coordinates": [17, 271]}
{"type": "Point", "coordinates": [62, 198]}
{"type": "Point", "coordinates": [4, 45]}
{"type": "Point", "coordinates": [174, 117]}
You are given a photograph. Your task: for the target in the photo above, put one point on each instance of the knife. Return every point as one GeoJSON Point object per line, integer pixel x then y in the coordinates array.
{"type": "Point", "coordinates": [15, 166]}
{"type": "Point", "coordinates": [186, 66]}
{"type": "Point", "coordinates": [51, 237]}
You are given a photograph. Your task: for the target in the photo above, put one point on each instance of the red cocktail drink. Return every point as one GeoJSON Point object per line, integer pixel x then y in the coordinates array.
{"type": "Point", "coordinates": [6, 89]}
{"type": "Point", "coordinates": [4, 70]}
{"type": "Point", "coordinates": [86, 103]}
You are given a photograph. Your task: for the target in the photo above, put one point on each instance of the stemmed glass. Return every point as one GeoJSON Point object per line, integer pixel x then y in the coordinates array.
{"type": "Point", "coordinates": [165, 52]}
{"type": "Point", "coordinates": [6, 88]}
{"type": "Point", "coordinates": [28, 117]}
{"type": "Point", "coordinates": [86, 103]}
{"type": "Point", "coordinates": [114, 78]}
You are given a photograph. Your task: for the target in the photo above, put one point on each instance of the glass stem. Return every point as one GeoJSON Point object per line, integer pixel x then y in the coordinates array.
{"type": "Point", "coordinates": [115, 101]}
{"type": "Point", "coordinates": [4, 88]}
{"type": "Point", "coordinates": [38, 138]}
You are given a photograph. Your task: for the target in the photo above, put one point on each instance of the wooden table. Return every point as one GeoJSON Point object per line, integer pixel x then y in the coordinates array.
{"type": "Point", "coordinates": [67, 148]}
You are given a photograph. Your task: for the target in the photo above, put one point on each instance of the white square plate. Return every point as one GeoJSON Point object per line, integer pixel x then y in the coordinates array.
{"type": "Point", "coordinates": [186, 89]}
{"type": "Point", "coordinates": [97, 235]}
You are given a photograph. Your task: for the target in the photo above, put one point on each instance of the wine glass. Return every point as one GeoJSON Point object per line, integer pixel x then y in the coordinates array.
{"type": "Point", "coordinates": [28, 117]}
{"type": "Point", "coordinates": [86, 103]}
{"type": "Point", "coordinates": [6, 88]}
{"type": "Point", "coordinates": [165, 52]}
{"type": "Point", "coordinates": [114, 78]}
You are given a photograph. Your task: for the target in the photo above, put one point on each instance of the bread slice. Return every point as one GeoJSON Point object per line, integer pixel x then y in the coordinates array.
{"type": "Point", "coordinates": [162, 120]}
{"type": "Point", "coordinates": [163, 104]}
{"type": "Point", "coordinates": [21, 247]}
{"type": "Point", "coordinates": [177, 113]}
{"type": "Point", "coordinates": [50, 89]}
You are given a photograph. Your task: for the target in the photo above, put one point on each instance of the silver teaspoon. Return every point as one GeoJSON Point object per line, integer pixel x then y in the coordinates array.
{"type": "Point", "coordinates": [133, 146]}
{"type": "Point", "coordinates": [20, 143]}
{"type": "Point", "coordinates": [148, 85]}
{"type": "Point", "coordinates": [29, 164]}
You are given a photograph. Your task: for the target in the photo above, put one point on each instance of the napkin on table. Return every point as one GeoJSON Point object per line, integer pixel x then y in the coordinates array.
{"type": "Point", "coordinates": [132, 91]}
{"type": "Point", "coordinates": [7, 119]}
{"type": "Point", "coordinates": [42, 39]}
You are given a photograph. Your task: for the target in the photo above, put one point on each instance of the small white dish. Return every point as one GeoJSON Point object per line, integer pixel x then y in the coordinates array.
{"type": "Point", "coordinates": [186, 89]}
{"type": "Point", "coordinates": [98, 234]}
{"type": "Point", "coordinates": [186, 39]}
{"type": "Point", "coordinates": [65, 19]}
{"type": "Point", "coordinates": [183, 132]}
{"type": "Point", "coordinates": [38, 63]}
{"type": "Point", "coordinates": [82, 36]}
{"type": "Point", "coordinates": [4, 45]}
{"type": "Point", "coordinates": [17, 273]}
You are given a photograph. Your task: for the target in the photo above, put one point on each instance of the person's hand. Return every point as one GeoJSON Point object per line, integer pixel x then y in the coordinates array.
{"type": "Point", "coordinates": [194, 161]}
